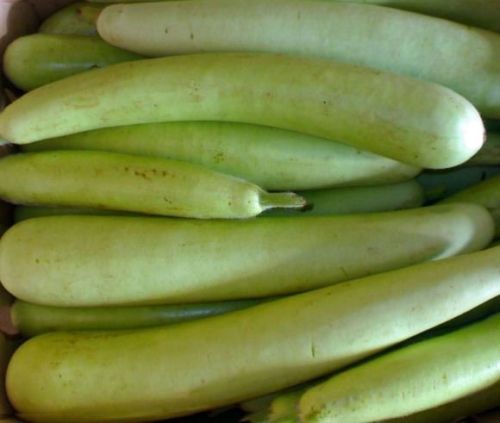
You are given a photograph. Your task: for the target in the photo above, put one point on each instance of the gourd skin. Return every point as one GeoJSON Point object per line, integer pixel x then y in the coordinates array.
{"type": "Point", "coordinates": [436, 128]}
{"type": "Point", "coordinates": [105, 260]}
{"type": "Point", "coordinates": [460, 57]}
{"type": "Point", "coordinates": [180, 369]}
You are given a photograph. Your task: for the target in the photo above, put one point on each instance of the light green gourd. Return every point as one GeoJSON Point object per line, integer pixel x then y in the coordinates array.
{"type": "Point", "coordinates": [416, 122]}
{"type": "Point", "coordinates": [411, 379]}
{"type": "Point", "coordinates": [150, 185]}
{"type": "Point", "coordinates": [66, 260]}
{"type": "Point", "coordinates": [175, 370]}
{"type": "Point", "coordinates": [460, 57]}
{"type": "Point", "coordinates": [31, 319]}
{"type": "Point", "coordinates": [35, 60]}
{"type": "Point", "coordinates": [76, 19]}
{"type": "Point", "coordinates": [272, 158]}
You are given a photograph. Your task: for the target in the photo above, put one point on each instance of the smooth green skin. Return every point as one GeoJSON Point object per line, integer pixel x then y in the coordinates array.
{"type": "Point", "coordinates": [272, 158]}
{"type": "Point", "coordinates": [486, 399]}
{"type": "Point", "coordinates": [489, 154]}
{"type": "Point", "coordinates": [479, 13]}
{"type": "Point", "coordinates": [415, 378]}
{"type": "Point", "coordinates": [284, 405]}
{"type": "Point", "coordinates": [370, 199]}
{"type": "Point", "coordinates": [486, 309]}
{"type": "Point", "coordinates": [450, 54]}
{"type": "Point", "coordinates": [28, 212]}
{"type": "Point", "coordinates": [75, 19]}
{"type": "Point", "coordinates": [32, 319]}
{"type": "Point", "coordinates": [68, 260]}
{"type": "Point", "coordinates": [486, 193]}
{"type": "Point", "coordinates": [180, 369]}
{"type": "Point", "coordinates": [35, 60]}
{"type": "Point", "coordinates": [435, 128]}
{"type": "Point", "coordinates": [113, 181]}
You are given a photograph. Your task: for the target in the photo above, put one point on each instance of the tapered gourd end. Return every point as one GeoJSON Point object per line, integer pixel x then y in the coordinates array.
{"type": "Point", "coordinates": [288, 200]}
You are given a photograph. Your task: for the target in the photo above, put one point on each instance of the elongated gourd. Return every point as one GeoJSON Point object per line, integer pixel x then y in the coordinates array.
{"type": "Point", "coordinates": [164, 372]}
{"type": "Point", "coordinates": [454, 55]}
{"type": "Point", "coordinates": [350, 200]}
{"type": "Point", "coordinates": [412, 121]}
{"type": "Point", "coordinates": [39, 59]}
{"type": "Point", "coordinates": [411, 379]}
{"type": "Point", "coordinates": [66, 260]}
{"type": "Point", "coordinates": [272, 158]}
{"type": "Point", "coordinates": [369, 199]}
{"type": "Point", "coordinates": [150, 185]}
{"type": "Point", "coordinates": [480, 13]}
{"type": "Point", "coordinates": [31, 319]}
{"type": "Point", "coordinates": [29, 212]}
{"type": "Point", "coordinates": [282, 407]}
{"type": "Point", "coordinates": [75, 19]}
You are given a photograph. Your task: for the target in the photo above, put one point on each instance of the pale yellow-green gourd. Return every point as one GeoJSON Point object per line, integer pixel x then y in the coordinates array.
{"type": "Point", "coordinates": [412, 121]}
{"type": "Point", "coordinates": [104, 260]}
{"type": "Point", "coordinates": [39, 59]}
{"type": "Point", "coordinates": [411, 379]}
{"type": "Point", "coordinates": [346, 200]}
{"type": "Point", "coordinates": [31, 319]}
{"type": "Point", "coordinates": [272, 158]}
{"type": "Point", "coordinates": [479, 13]}
{"type": "Point", "coordinates": [199, 365]}
{"type": "Point", "coordinates": [460, 57]}
{"type": "Point", "coordinates": [151, 185]}
{"type": "Point", "coordinates": [76, 19]}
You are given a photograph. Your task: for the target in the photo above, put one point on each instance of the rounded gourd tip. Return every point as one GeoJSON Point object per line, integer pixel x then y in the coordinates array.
{"type": "Point", "coordinates": [473, 135]}
{"type": "Point", "coordinates": [466, 138]}
{"type": "Point", "coordinates": [105, 18]}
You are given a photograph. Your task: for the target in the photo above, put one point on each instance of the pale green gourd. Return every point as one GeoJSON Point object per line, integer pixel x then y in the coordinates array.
{"type": "Point", "coordinates": [31, 319]}
{"type": "Point", "coordinates": [180, 369]}
{"type": "Point", "coordinates": [457, 56]}
{"type": "Point", "coordinates": [39, 59]}
{"type": "Point", "coordinates": [408, 120]}
{"type": "Point", "coordinates": [67, 260]}
{"type": "Point", "coordinates": [272, 158]}
{"type": "Point", "coordinates": [76, 19]}
{"type": "Point", "coordinates": [150, 185]}
{"type": "Point", "coordinates": [411, 379]}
